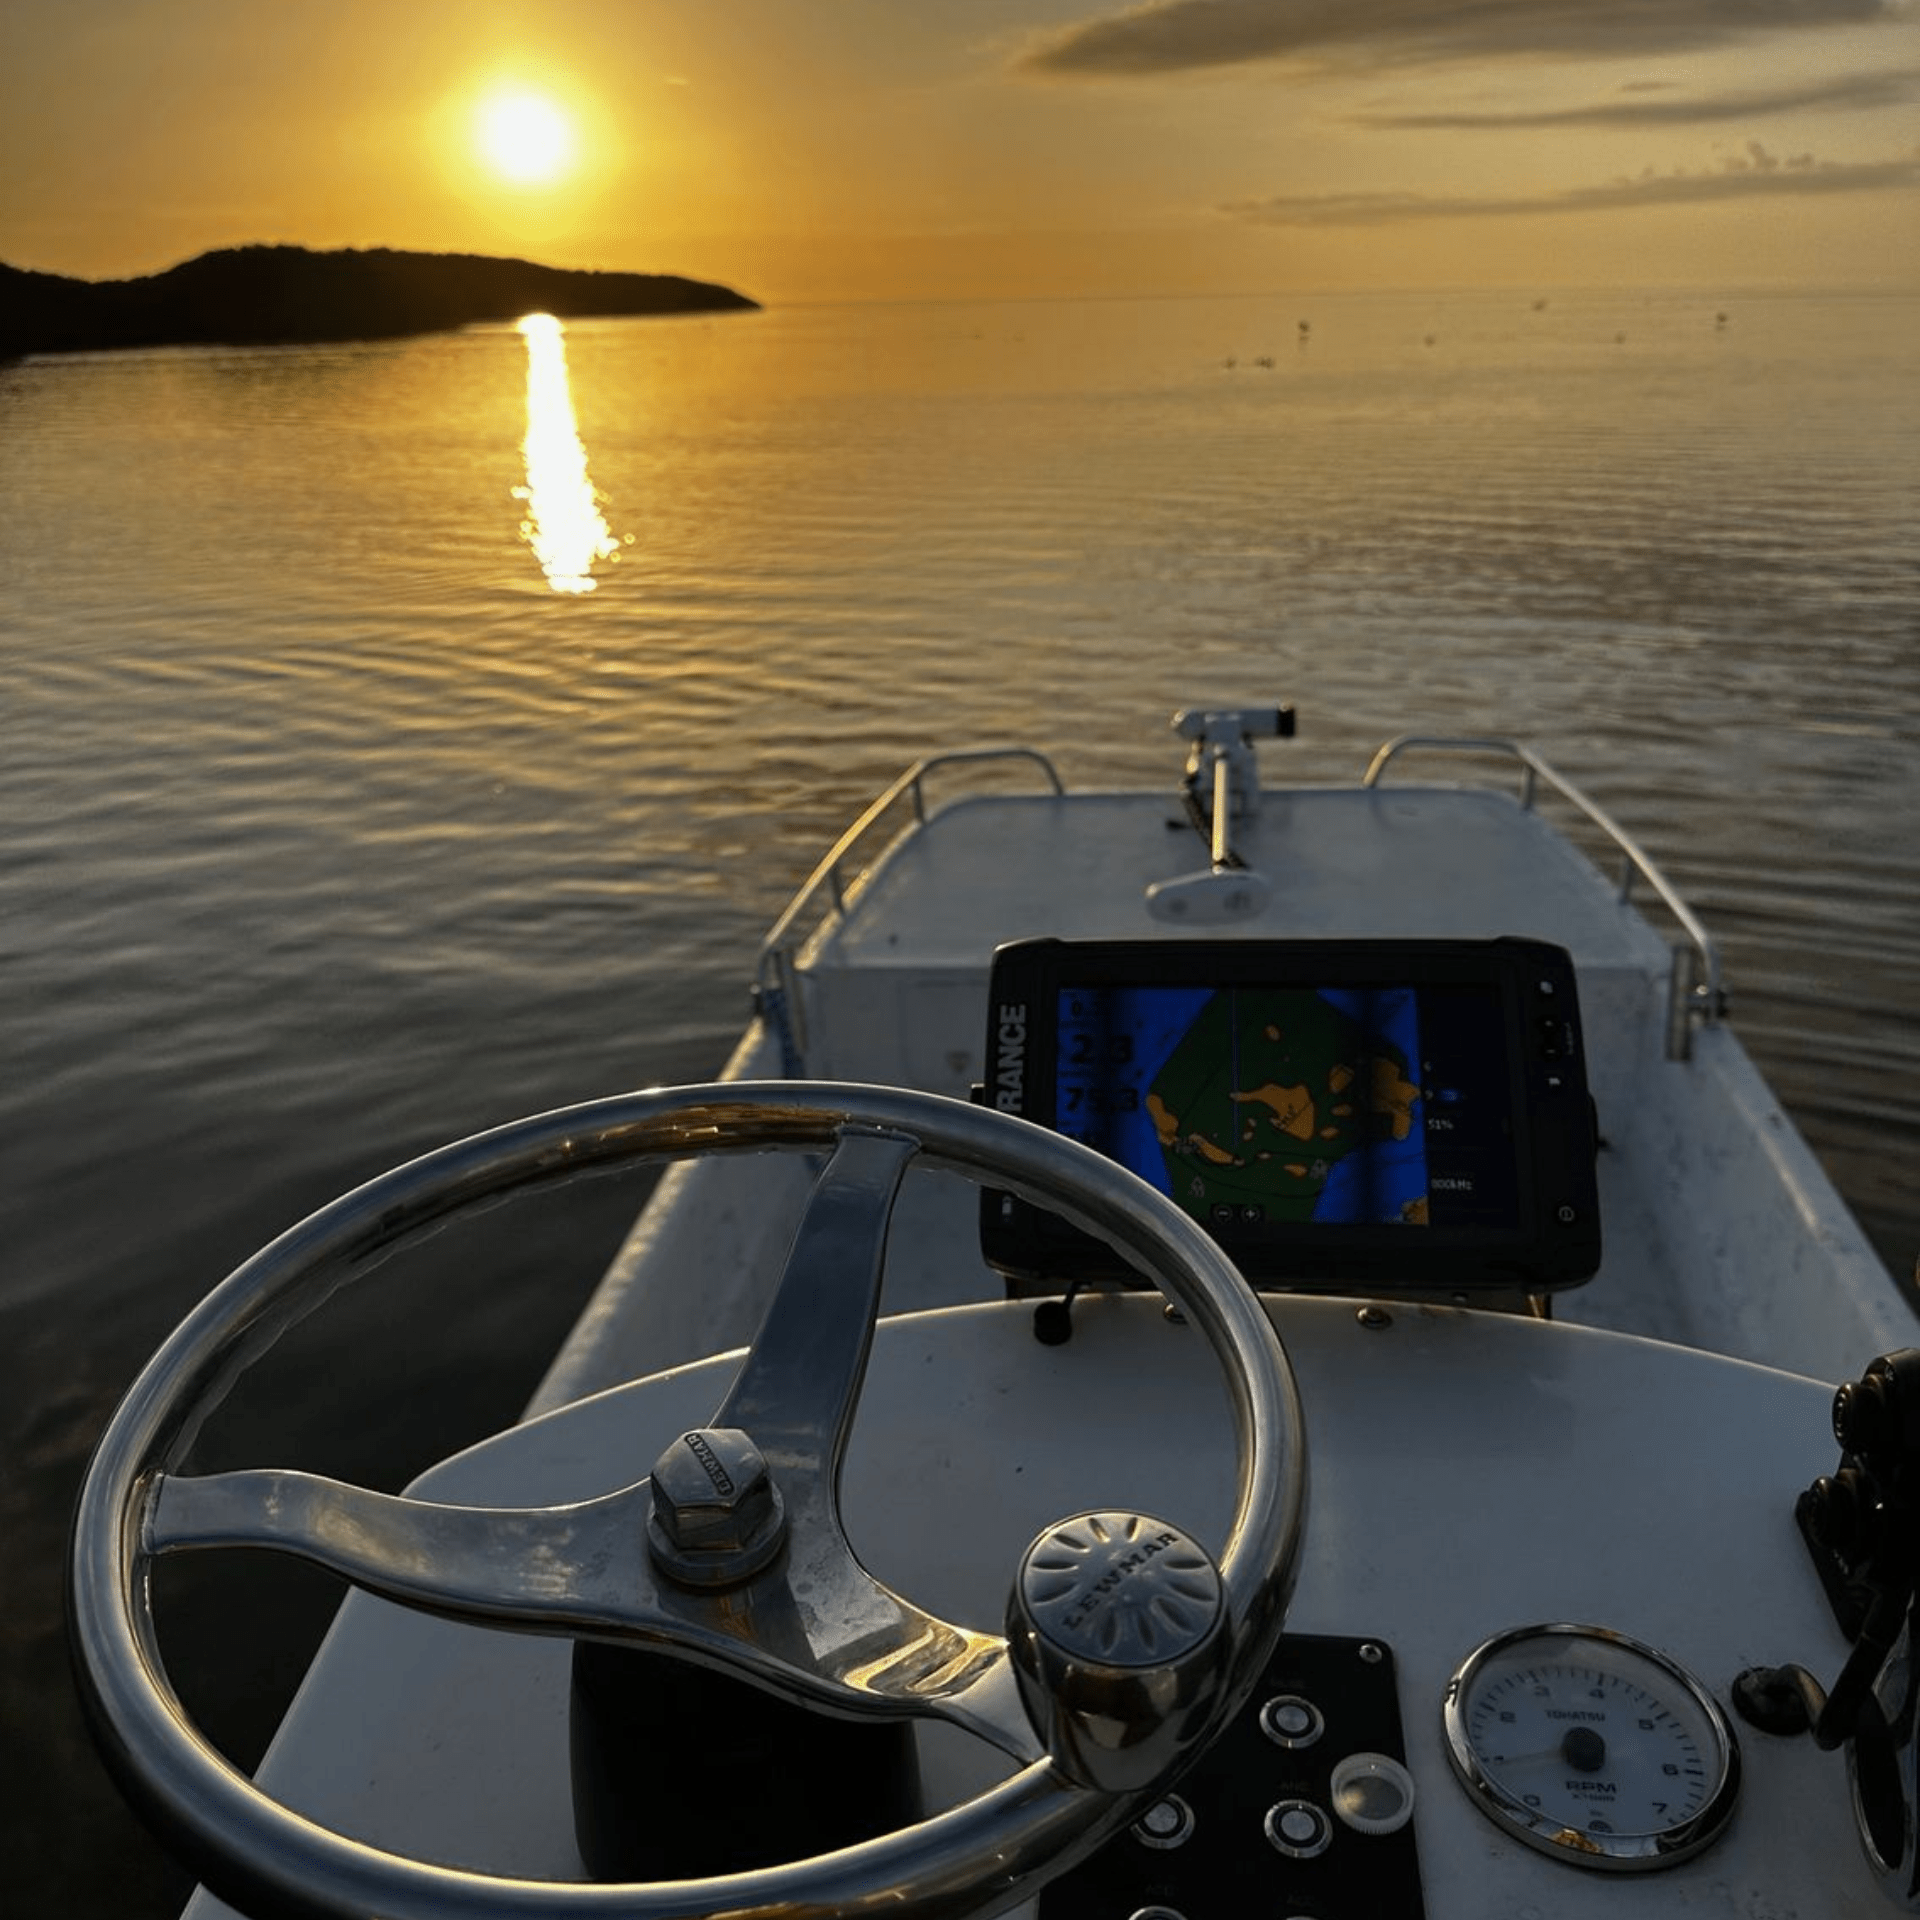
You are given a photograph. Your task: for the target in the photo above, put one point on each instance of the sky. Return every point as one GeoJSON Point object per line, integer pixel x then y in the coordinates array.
{"type": "Point", "coordinates": [819, 150]}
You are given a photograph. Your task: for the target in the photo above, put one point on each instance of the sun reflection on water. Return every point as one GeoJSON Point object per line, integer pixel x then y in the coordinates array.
{"type": "Point", "coordinates": [564, 524]}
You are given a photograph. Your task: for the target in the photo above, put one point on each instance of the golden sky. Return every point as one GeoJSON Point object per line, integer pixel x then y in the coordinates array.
{"type": "Point", "coordinates": [908, 149]}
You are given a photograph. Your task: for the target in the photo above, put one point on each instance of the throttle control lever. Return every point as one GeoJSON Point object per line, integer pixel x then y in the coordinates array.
{"type": "Point", "coordinates": [1861, 1525]}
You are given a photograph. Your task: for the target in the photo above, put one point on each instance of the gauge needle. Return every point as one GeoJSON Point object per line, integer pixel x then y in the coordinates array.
{"type": "Point", "coordinates": [1582, 1749]}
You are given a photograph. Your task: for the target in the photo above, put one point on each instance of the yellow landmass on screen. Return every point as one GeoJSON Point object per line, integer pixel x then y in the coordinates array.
{"type": "Point", "coordinates": [1292, 1108]}
{"type": "Point", "coordinates": [1394, 1094]}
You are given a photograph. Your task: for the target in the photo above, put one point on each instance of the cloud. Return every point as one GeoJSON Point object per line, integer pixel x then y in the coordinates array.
{"type": "Point", "coordinates": [1755, 174]}
{"type": "Point", "coordinates": [1648, 108]}
{"type": "Point", "coordinates": [1169, 36]}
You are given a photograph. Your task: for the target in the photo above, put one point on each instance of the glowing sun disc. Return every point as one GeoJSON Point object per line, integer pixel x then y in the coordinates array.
{"type": "Point", "coordinates": [526, 138]}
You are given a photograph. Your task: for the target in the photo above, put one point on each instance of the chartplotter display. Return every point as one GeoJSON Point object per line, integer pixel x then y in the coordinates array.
{"type": "Point", "coordinates": [1411, 1114]}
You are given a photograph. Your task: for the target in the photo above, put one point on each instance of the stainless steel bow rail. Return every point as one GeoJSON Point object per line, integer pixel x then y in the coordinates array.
{"type": "Point", "coordinates": [1697, 994]}
{"type": "Point", "coordinates": [824, 893]}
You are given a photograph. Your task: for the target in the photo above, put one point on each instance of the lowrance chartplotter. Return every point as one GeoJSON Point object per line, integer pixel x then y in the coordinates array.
{"type": "Point", "coordinates": [1407, 1115]}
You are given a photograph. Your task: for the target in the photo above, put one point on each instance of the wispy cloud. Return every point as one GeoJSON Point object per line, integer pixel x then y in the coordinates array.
{"type": "Point", "coordinates": [1653, 106]}
{"type": "Point", "coordinates": [1168, 36]}
{"type": "Point", "coordinates": [1755, 174]}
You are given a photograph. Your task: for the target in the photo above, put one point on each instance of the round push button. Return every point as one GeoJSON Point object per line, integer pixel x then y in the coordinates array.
{"type": "Point", "coordinates": [1299, 1829]}
{"type": "Point", "coordinates": [1166, 1824]}
{"type": "Point", "coordinates": [1289, 1721]}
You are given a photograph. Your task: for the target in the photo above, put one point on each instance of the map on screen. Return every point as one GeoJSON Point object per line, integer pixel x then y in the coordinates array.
{"type": "Point", "coordinates": [1253, 1104]}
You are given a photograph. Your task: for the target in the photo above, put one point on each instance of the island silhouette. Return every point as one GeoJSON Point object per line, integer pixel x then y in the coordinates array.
{"type": "Point", "coordinates": [280, 295]}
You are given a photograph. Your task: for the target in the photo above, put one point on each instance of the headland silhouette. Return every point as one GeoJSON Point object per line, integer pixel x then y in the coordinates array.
{"type": "Point", "coordinates": [279, 295]}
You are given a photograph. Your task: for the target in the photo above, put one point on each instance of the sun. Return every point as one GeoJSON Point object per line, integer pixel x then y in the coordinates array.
{"type": "Point", "coordinates": [525, 138]}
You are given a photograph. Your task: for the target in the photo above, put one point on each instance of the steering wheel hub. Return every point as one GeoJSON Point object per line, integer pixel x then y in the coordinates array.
{"type": "Point", "coordinates": [717, 1517]}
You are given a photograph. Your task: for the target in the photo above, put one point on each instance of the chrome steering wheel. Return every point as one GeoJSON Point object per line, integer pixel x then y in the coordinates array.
{"type": "Point", "coordinates": [1126, 1649]}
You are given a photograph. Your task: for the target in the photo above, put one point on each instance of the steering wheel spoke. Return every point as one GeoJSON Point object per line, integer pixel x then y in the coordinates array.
{"type": "Point", "coordinates": [950, 1673]}
{"type": "Point", "coordinates": [570, 1569]}
{"type": "Point", "coordinates": [797, 1389]}
{"type": "Point", "coordinates": [583, 1570]}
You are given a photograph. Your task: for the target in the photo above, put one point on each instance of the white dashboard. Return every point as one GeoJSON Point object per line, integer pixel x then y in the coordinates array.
{"type": "Point", "coordinates": [1468, 1474]}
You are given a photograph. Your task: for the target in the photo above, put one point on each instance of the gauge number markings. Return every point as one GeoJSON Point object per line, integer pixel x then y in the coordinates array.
{"type": "Point", "coordinates": [1597, 1766]}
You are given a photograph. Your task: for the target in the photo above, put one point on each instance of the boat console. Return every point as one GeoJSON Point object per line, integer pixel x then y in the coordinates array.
{"type": "Point", "coordinates": [1310, 1605]}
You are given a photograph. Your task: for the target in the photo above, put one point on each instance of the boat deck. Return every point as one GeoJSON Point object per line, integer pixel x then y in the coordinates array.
{"type": "Point", "coordinates": [894, 988]}
{"type": "Point", "coordinates": [1342, 863]}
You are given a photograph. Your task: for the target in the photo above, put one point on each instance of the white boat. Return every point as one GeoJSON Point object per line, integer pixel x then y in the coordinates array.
{"type": "Point", "coordinates": [1421, 1580]}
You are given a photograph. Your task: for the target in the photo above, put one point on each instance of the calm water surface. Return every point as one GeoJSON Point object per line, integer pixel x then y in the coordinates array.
{"type": "Point", "coordinates": [338, 821]}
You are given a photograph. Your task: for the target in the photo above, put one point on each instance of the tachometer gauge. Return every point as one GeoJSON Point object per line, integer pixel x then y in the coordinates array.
{"type": "Point", "coordinates": [1592, 1747]}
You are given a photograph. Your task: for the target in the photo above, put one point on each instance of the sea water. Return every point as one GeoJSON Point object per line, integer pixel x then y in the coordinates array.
{"type": "Point", "coordinates": [399, 738]}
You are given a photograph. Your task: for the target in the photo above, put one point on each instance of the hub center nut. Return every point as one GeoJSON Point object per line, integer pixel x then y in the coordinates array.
{"type": "Point", "coordinates": [717, 1516]}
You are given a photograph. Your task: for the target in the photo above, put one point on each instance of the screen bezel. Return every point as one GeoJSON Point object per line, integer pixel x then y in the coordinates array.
{"type": "Point", "coordinates": [1550, 1237]}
